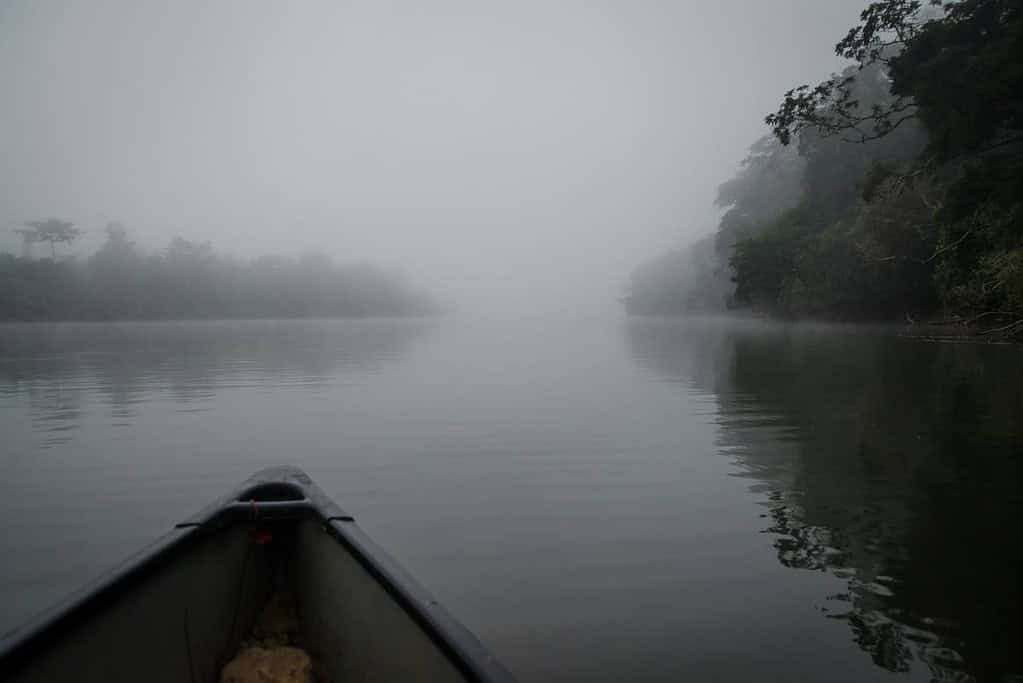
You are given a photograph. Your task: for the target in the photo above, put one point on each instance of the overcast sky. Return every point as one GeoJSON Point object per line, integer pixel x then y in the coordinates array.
{"type": "Point", "coordinates": [512, 153]}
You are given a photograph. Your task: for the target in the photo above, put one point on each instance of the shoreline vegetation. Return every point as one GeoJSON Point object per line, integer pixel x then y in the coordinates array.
{"type": "Point", "coordinates": [189, 281]}
{"type": "Point", "coordinates": [891, 192]}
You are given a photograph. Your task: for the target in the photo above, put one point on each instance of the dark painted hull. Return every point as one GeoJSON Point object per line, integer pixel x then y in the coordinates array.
{"type": "Point", "coordinates": [177, 610]}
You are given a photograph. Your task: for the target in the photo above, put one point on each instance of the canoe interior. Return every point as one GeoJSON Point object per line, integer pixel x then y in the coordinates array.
{"type": "Point", "coordinates": [178, 611]}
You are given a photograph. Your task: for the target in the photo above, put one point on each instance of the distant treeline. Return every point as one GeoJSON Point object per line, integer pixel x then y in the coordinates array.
{"type": "Point", "coordinates": [893, 190]}
{"type": "Point", "coordinates": [191, 280]}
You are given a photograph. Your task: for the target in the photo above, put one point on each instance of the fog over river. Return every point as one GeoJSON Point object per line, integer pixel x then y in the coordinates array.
{"type": "Point", "coordinates": [597, 498]}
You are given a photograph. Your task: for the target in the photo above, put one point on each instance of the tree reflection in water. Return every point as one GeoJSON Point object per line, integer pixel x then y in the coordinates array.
{"type": "Point", "coordinates": [60, 367]}
{"type": "Point", "coordinates": [891, 463]}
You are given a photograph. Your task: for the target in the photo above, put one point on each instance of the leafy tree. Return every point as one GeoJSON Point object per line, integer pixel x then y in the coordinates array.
{"type": "Point", "coordinates": [835, 169]}
{"type": "Point", "coordinates": [679, 282]}
{"type": "Point", "coordinates": [697, 278]}
{"type": "Point", "coordinates": [893, 189]}
{"type": "Point", "coordinates": [955, 66]}
{"type": "Point", "coordinates": [944, 227]}
{"type": "Point", "coordinates": [51, 230]}
{"type": "Point", "coordinates": [116, 276]}
{"type": "Point", "coordinates": [191, 280]}
{"type": "Point", "coordinates": [769, 182]}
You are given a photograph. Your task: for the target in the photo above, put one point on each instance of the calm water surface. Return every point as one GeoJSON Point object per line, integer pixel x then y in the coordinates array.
{"type": "Point", "coordinates": [599, 500]}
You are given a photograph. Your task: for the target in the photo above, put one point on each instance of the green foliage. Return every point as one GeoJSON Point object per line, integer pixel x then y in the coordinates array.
{"type": "Point", "coordinates": [900, 227]}
{"type": "Point", "coordinates": [959, 71]}
{"type": "Point", "coordinates": [769, 182]}
{"type": "Point", "coordinates": [679, 282]}
{"type": "Point", "coordinates": [904, 198]}
{"type": "Point", "coordinates": [979, 270]}
{"type": "Point", "coordinates": [764, 265]}
{"type": "Point", "coordinates": [877, 174]}
{"type": "Point", "coordinates": [964, 71]}
{"type": "Point", "coordinates": [697, 279]}
{"type": "Point", "coordinates": [51, 230]}
{"type": "Point", "coordinates": [190, 280]}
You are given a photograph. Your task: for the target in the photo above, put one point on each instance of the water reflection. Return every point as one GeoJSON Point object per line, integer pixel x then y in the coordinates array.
{"type": "Point", "coordinates": [892, 464]}
{"type": "Point", "coordinates": [60, 368]}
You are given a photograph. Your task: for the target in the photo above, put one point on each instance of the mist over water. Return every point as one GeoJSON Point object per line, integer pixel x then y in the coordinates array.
{"type": "Point", "coordinates": [391, 243]}
{"type": "Point", "coordinates": [602, 499]}
{"type": "Point", "coordinates": [508, 157]}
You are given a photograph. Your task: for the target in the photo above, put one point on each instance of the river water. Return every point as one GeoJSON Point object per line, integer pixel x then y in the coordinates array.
{"type": "Point", "coordinates": [601, 499]}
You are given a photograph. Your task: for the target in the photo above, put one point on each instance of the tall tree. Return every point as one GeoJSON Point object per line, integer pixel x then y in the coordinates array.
{"type": "Point", "coordinates": [51, 230]}
{"type": "Point", "coordinates": [955, 66]}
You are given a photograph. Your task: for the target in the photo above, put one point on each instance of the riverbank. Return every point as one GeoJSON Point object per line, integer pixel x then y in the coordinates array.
{"type": "Point", "coordinates": [189, 281]}
{"type": "Point", "coordinates": [991, 327]}
{"type": "Point", "coordinates": [1007, 330]}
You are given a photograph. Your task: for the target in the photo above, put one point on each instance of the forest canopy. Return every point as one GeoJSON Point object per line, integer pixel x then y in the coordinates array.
{"type": "Point", "coordinates": [892, 190]}
{"type": "Point", "coordinates": [189, 280]}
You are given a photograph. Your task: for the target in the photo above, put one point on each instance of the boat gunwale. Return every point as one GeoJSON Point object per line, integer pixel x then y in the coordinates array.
{"type": "Point", "coordinates": [459, 645]}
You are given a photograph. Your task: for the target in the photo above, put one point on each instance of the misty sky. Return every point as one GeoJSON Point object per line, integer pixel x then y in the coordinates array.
{"type": "Point", "coordinates": [525, 153]}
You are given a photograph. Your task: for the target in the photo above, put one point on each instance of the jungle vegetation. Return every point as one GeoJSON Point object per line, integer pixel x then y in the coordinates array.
{"type": "Point", "coordinates": [188, 280]}
{"type": "Point", "coordinates": [892, 190]}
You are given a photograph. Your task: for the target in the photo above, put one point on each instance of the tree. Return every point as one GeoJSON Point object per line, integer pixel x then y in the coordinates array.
{"type": "Point", "coordinates": [921, 215]}
{"type": "Point", "coordinates": [832, 107]}
{"type": "Point", "coordinates": [51, 230]}
{"type": "Point", "coordinates": [769, 183]}
{"type": "Point", "coordinates": [952, 65]}
{"type": "Point", "coordinates": [963, 72]}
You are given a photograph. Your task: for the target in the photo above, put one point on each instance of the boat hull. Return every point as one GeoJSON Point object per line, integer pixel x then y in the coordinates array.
{"type": "Point", "coordinates": [179, 609]}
